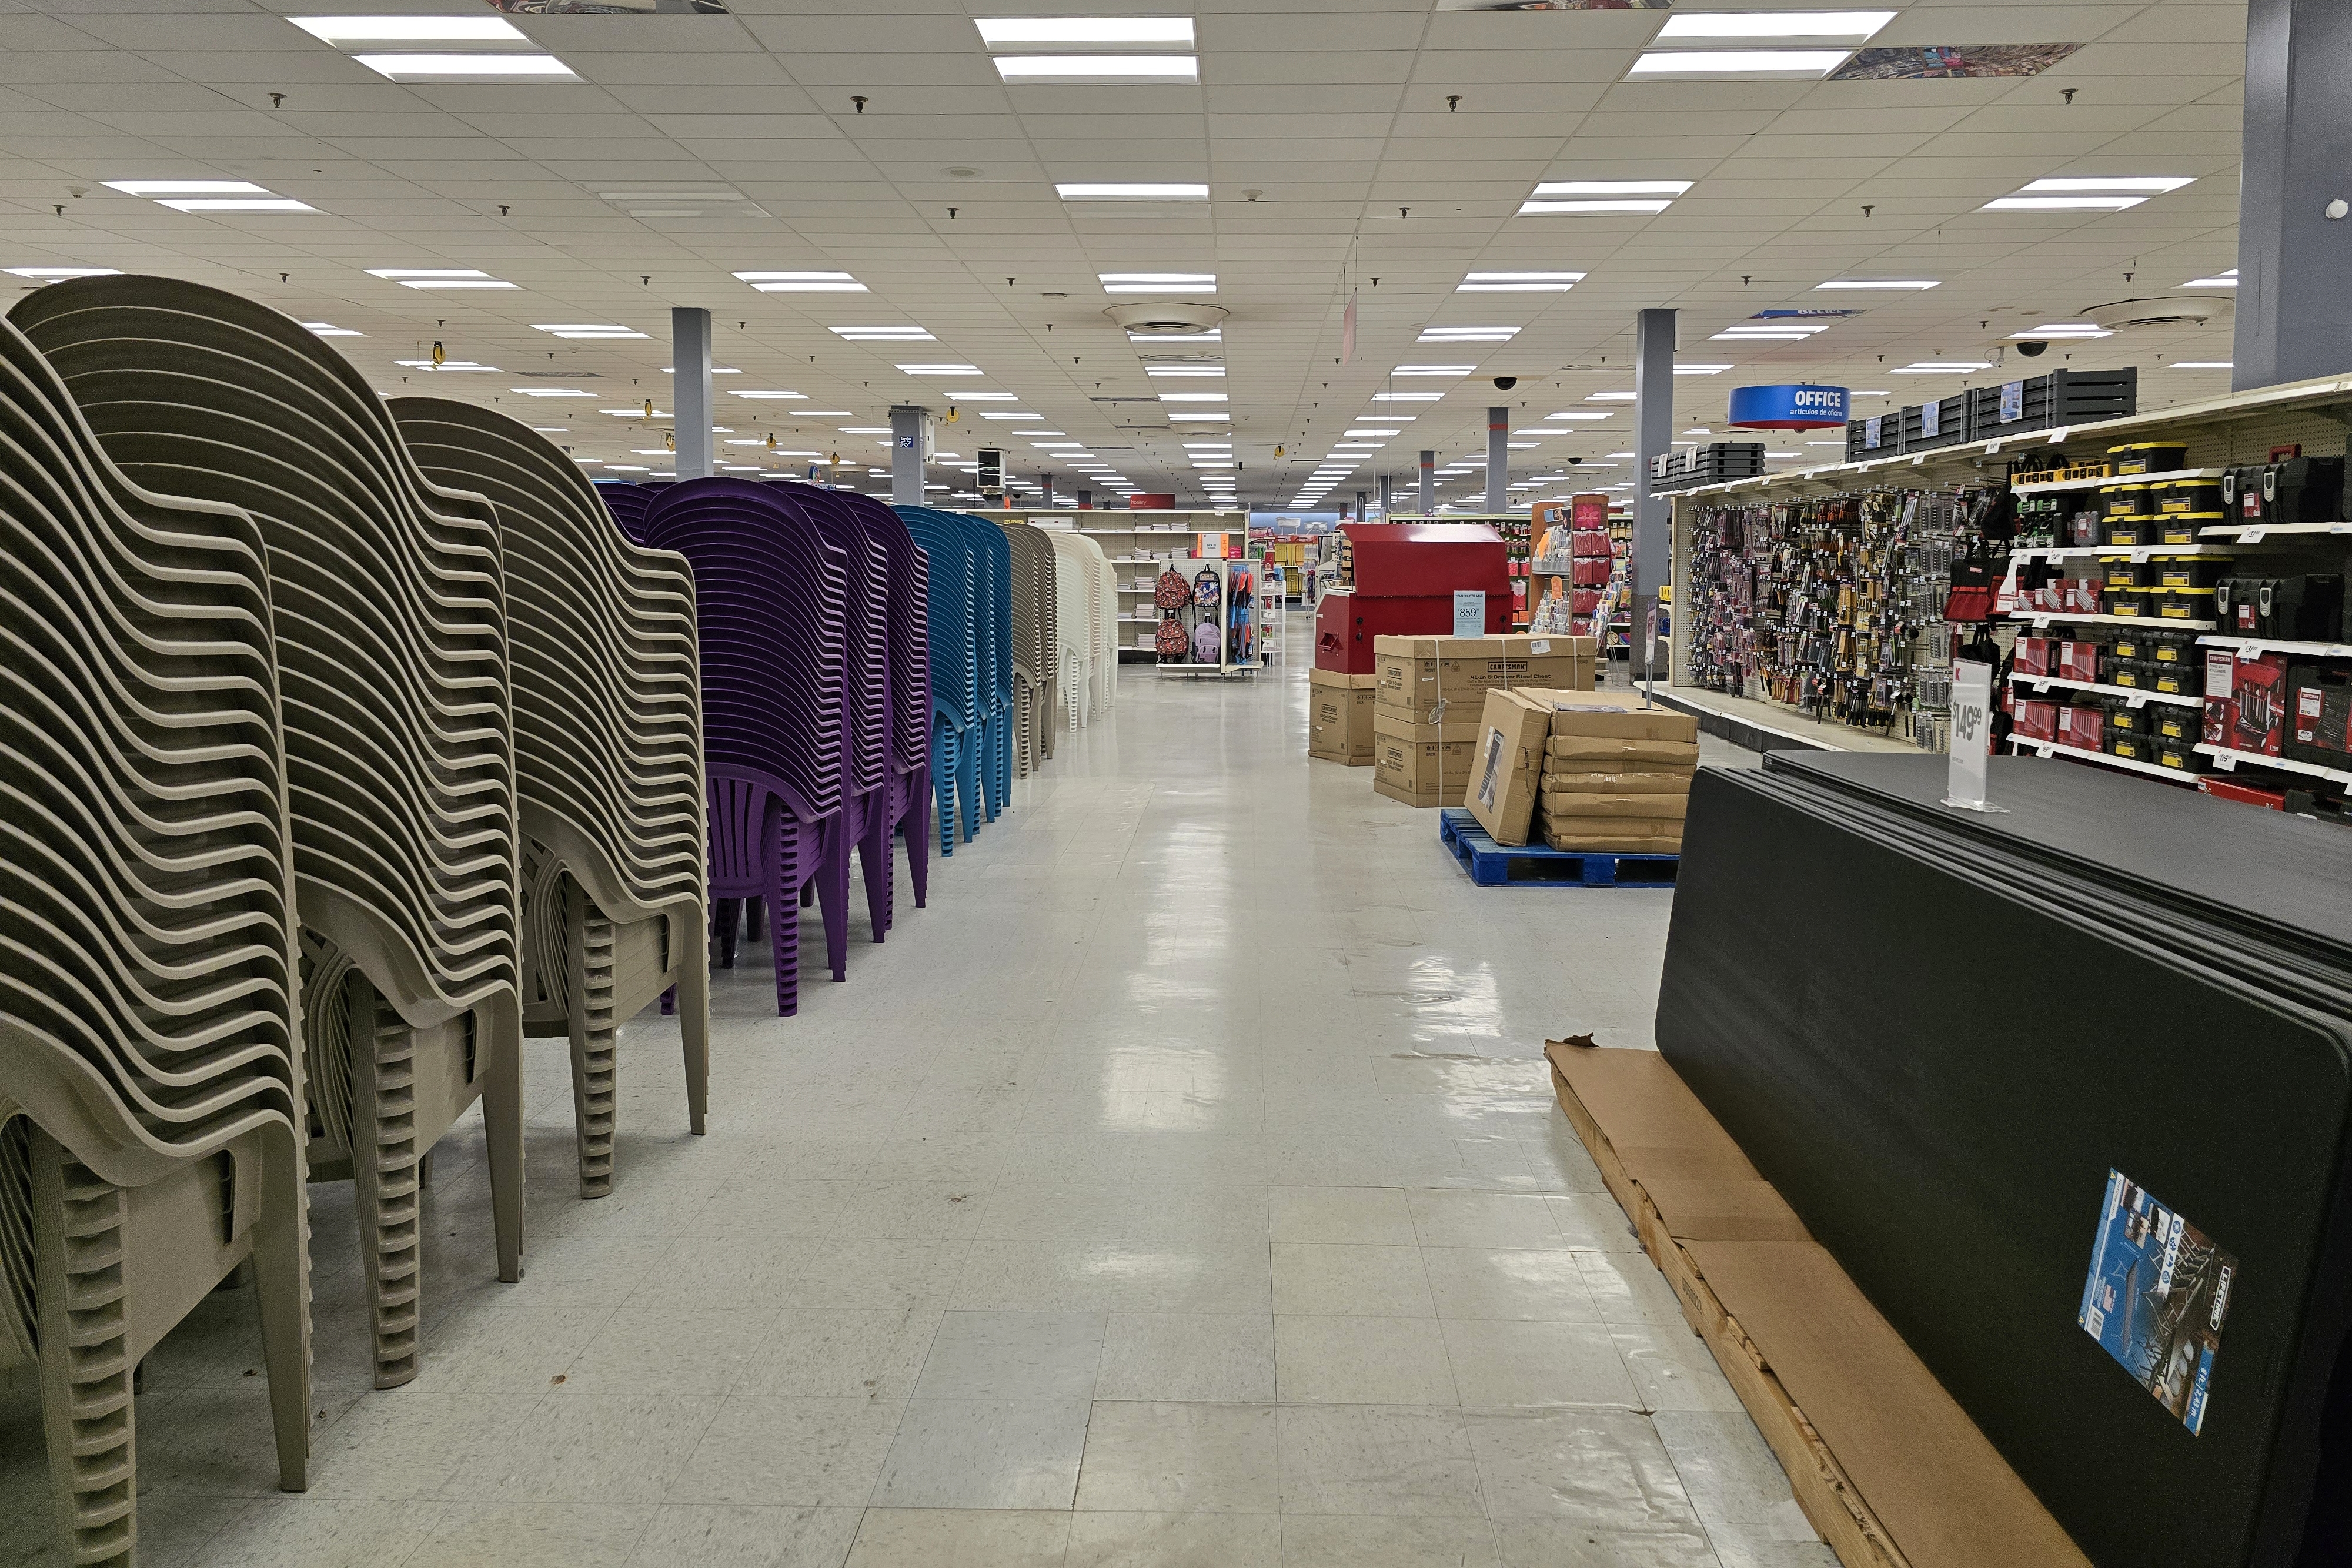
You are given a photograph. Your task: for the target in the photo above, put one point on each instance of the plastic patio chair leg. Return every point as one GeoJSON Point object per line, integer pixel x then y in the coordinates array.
{"type": "Point", "coordinates": [831, 884]}
{"type": "Point", "coordinates": [919, 833]}
{"type": "Point", "coordinates": [723, 916]}
{"type": "Point", "coordinates": [876, 859]}
{"type": "Point", "coordinates": [594, 1038]}
{"type": "Point", "coordinates": [784, 936]}
{"type": "Point", "coordinates": [943, 788]}
{"type": "Point", "coordinates": [968, 772]}
{"type": "Point", "coordinates": [79, 1221]}
{"type": "Point", "coordinates": [693, 994]}
{"type": "Point", "coordinates": [383, 1174]}
{"type": "Point", "coordinates": [755, 917]}
{"type": "Point", "coordinates": [500, 1024]}
{"type": "Point", "coordinates": [281, 1277]}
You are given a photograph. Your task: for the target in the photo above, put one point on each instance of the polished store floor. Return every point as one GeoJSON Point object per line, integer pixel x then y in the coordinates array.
{"type": "Point", "coordinates": [1182, 1187]}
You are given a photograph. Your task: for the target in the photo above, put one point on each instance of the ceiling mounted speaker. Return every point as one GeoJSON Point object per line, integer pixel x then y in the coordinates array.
{"type": "Point", "coordinates": [1175, 317]}
{"type": "Point", "coordinates": [2160, 312]}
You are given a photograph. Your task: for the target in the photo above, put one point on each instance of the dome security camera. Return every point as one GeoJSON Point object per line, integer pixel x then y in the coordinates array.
{"type": "Point", "coordinates": [1574, 461]}
{"type": "Point", "coordinates": [2033, 349]}
{"type": "Point", "coordinates": [1505, 383]}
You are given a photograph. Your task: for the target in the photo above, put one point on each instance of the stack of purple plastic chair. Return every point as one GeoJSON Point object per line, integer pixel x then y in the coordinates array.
{"type": "Point", "coordinates": [907, 707]}
{"type": "Point", "coordinates": [772, 592]}
{"type": "Point", "coordinates": [628, 504]}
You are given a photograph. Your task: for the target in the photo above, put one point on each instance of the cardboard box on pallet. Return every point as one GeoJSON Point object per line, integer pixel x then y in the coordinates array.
{"type": "Point", "coordinates": [1339, 716]}
{"type": "Point", "coordinates": [1614, 835]}
{"type": "Point", "coordinates": [1425, 675]}
{"type": "Point", "coordinates": [1591, 742]}
{"type": "Point", "coordinates": [1506, 762]}
{"type": "Point", "coordinates": [1563, 806]}
{"type": "Point", "coordinates": [1421, 764]}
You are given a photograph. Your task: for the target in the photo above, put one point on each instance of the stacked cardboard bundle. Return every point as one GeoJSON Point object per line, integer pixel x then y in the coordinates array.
{"type": "Point", "coordinates": [1583, 770]}
{"type": "Point", "coordinates": [1426, 719]}
{"type": "Point", "coordinates": [1339, 717]}
{"type": "Point", "coordinates": [1617, 780]}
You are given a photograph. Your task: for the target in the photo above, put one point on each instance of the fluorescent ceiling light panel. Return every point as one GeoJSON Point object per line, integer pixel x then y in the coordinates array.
{"type": "Point", "coordinates": [636, 413]}
{"type": "Point", "coordinates": [1407, 397]}
{"type": "Point", "coordinates": [1856, 26]}
{"type": "Point", "coordinates": [1942, 367]}
{"type": "Point", "coordinates": [2203, 365]}
{"type": "Point", "coordinates": [864, 429]}
{"type": "Point", "coordinates": [1376, 432]}
{"type": "Point", "coordinates": [2220, 280]}
{"type": "Point", "coordinates": [1432, 370]}
{"type": "Point", "coordinates": [1787, 64]}
{"type": "Point", "coordinates": [801, 282]}
{"type": "Point", "coordinates": [238, 204]}
{"type": "Point", "coordinates": [1129, 190]}
{"type": "Point", "coordinates": [1198, 418]}
{"type": "Point", "coordinates": [550, 392]}
{"type": "Point", "coordinates": [1702, 369]}
{"type": "Point", "coordinates": [55, 274]}
{"type": "Point", "coordinates": [152, 188]}
{"type": "Point", "coordinates": [446, 366]}
{"type": "Point", "coordinates": [882, 334]}
{"type": "Point", "coordinates": [941, 369]}
{"type": "Point", "coordinates": [1609, 397]}
{"type": "Point", "coordinates": [1157, 282]}
{"type": "Point", "coordinates": [450, 67]}
{"type": "Point", "coordinates": [566, 330]}
{"type": "Point", "coordinates": [775, 396]}
{"type": "Point", "coordinates": [411, 30]}
{"type": "Point", "coordinates": [1012, 416]}
{"type": "Point", "coordinates": [1183, 370]}
{"type": "Point", "coordinates": [1098, 68]}
{"type": "Point", "coordinates": [1193, 397]}
{"type": "Point", "coordinates": [2062, 204]}
{"type": "Point", "coordinates": [1613, 187]}
{"type": "Point", "coordinates": [1577, 414]}
{"type": "Point", "coordinates": [1002, 32]}
{"type": "Point", "coordinates": [986, 397]}
{"type": "Point", "coordinates": [328, 330]}
{"type": "Point", "coordinates": [1467, 334]}
{"type": "Point", "coordinates": [2065, 330]}
{"type": "Point", "coordinates": [1212, 335]}
{"type": "Point", "coordinates": [2156, 185]}
{"type": "Point", "coordinates": [1517, 282]}
{"type": "Point", "coordinates": [1842, 283]}
{"type": "Point", "coordinates": [1527, 208]}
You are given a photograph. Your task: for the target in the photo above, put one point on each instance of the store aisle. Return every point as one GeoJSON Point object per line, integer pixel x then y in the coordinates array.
{"type": "Point", "coordinates": [1182, 1187]}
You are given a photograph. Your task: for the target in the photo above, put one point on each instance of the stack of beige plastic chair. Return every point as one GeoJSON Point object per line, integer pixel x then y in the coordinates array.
{"type": "Point", "coordinates": [608, 743]}
{"type": "Point", "coordinates": [1074, 590]}
{"type": "Point", "coordinates": [390, 608]}
{"type": "Point", "coordinates": [1102, 634]}
{"type": "Point", "coordinates": [151, 1087]}
{"type": "Point", "coordinates": [1035, 645]}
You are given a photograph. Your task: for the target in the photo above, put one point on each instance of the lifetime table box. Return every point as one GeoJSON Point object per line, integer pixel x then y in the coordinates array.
{"type": "Point", "coordinates": [1418, 673]}
{"type": "Point", "coordinates": [1339, 717]}
{"type": "Point", "coordinates": [1423, 764]}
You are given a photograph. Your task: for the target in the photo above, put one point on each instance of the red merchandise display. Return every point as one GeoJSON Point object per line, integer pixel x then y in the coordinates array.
{"type": "Point", "coordinates": [1405, 576]}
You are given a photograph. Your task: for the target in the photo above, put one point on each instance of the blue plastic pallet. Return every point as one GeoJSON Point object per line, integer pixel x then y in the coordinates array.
{"type": "Point", "coordinates": [1491, 865]}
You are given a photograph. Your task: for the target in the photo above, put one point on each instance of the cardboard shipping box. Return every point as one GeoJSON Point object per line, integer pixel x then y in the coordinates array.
{"type": "Point", "coordinates": [1339, 716]}
{"type": "Point", "coordinates": [1506, 764]}
{"type": "Point", "coordinates": [1420, 673]}
{"type": "Point", "coordinates": [1421, 764]}
{"type": "Point", "coordinates": [1571, 806]}
{"type": "Point", "coordinates": [1614, 835]}
{"type": "Point", "coordinates": [1595, 738]}
{"type": "Point", "coordinates": [1653, 778]}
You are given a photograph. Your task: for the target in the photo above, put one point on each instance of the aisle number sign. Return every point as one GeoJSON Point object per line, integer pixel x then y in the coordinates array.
{"type": "Point", "coordinates": [990, 479]}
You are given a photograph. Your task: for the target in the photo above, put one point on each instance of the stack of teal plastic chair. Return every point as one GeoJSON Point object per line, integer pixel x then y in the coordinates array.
{"type": "Point", "coordinates": [958, 732]}
{"type": "Point", "coordinates": [994, 630]}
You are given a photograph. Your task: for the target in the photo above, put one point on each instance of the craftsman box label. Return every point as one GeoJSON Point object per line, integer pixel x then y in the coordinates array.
{"type": "Point", "coordinates": [2157, 1296]}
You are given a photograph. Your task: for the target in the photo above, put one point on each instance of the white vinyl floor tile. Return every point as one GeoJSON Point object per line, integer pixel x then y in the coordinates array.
{"type": "Point", "coordinates": [1183, 1186]}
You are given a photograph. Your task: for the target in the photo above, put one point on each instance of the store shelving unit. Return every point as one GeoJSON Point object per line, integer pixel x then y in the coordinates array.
{"type": "Point", "coordinates": [2026, 743]}
{"type": "Point", "coordinates": [2052, 486]}
{"type": "Point", "coordinates": [1139, 544]}
{"type": "Point", "coordinates": [2253, 646]}
{"type": "Point", "coordinates": [2134, 695]}
{"type": "Point", "coordinates": [2226, 759]}
{"type": "Point", "coordinates": [2144, 622]}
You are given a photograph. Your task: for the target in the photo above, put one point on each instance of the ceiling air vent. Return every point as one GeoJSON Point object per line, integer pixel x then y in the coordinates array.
{"type": "Point", "coordinates": [1175, 317]}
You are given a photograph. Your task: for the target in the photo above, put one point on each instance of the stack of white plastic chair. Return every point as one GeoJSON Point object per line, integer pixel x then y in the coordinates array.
{"type": "Point", "coordinates": [608, 740]}
{"type": "Point", "coordinates": [390, 609]}
{"type": "Point", "coordinates": [1077, 589]}
{"type": "Point", "coordinates": [1105, 627]}
{"type": "Point", "coordinates": [150, 1083]}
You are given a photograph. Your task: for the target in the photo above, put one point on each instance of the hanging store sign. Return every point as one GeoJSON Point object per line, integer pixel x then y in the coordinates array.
{"type": "Point", "coordinates": [1799, 407]}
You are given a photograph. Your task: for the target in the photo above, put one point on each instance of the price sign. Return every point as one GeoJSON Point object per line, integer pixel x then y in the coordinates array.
{"type": "Point", "coordinates": [1972, 735]}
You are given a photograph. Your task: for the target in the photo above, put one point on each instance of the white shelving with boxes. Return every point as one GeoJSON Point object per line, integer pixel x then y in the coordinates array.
{"type": "Point", "coordinates": [1140, 544]}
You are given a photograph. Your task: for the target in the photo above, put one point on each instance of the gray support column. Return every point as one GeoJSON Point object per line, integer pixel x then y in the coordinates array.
{"type": "Point", "coordinates": [1085, 500]}
{"type": "Point", "coordinates": [1499, 457]}
{"type": "Point", "coordinates": [1384, 497]}
{"type": "Point", "coordinates": [1044, 489]}
{"type": "Point", "coordinates": [1362, 515]}
{"type": "Point", "coordinates": [906, 454]}
{"type": "Point", "coordinates": [1428, 482]}
{"type": "Point", "coordinates": [2295, 260]}
{"type": "Point", "coordinates": [1653, 433]}
{"type": "Point", "coordinates": [689, 351]}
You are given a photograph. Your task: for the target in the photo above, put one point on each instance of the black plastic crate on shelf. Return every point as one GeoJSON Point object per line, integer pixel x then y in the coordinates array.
{"type": "Point", "coordinates": [1881, 435]}
{"type": "Point", "coordinates": [2060, 399]}
{"type": "Point", "coordinates": [1950, 418]}
{"type": "Point", "coordinates": [1709, 464]}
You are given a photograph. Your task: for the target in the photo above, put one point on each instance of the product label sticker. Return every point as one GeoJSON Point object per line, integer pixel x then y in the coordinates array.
{"type": "Point", "coordinates": [2156, 1297]}
{"type": "Point", "coordinates": [1490, 776]}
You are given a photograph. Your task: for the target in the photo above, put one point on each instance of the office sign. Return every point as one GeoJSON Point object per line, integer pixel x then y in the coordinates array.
{"type": "Point", "coordinates": [1793, 407]}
